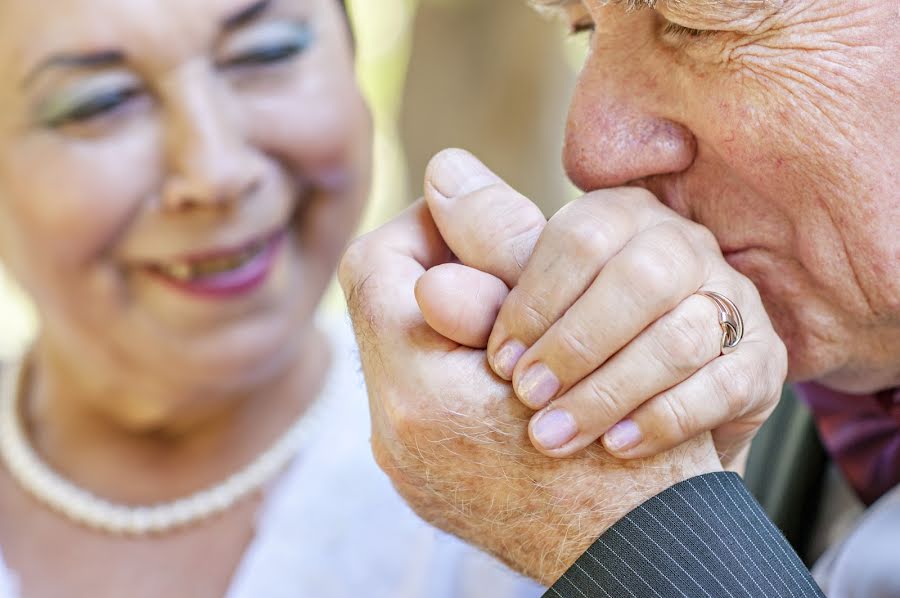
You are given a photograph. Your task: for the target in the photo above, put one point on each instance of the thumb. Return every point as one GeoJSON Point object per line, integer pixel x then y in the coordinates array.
{"type": "Point", "coordinates": [486, 223]}
{"type": "Point", "coordinates": [461, 303]}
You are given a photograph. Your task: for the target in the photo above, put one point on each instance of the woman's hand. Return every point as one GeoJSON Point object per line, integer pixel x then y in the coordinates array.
{"type": "Point", "coordinates": [603, 331]}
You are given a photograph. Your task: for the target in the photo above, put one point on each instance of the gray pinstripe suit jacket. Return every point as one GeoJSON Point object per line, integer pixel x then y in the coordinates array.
{"type": "Point", "coordinates": [705, 537]}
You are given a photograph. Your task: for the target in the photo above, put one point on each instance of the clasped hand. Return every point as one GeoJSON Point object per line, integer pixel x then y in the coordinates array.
{"type": "Point", "coordinates": [602, 306]}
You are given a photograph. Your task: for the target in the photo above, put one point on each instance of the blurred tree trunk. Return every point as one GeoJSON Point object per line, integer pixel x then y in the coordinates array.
{"type": "Point", "coordinates": [490, 77]}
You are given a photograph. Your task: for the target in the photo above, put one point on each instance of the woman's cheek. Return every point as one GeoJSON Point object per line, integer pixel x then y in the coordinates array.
{"type": "Point", "coordinates": [79, 215]}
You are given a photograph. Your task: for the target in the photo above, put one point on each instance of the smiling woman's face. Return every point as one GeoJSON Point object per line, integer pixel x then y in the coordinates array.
{"type": "Point", "coordinates": [177, 179]}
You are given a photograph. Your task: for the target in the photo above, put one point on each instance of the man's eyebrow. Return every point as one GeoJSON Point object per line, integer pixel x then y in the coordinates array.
{"type": "Point", "coordinates": [246, 15]}
{"type": "Point", "coordinates": [102, 58]}
{"type": "Point", "coordinates": [552, 6]}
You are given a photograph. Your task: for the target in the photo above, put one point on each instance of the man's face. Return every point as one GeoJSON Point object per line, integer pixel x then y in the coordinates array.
{"type": "Point", "coordinates": [774, 124]}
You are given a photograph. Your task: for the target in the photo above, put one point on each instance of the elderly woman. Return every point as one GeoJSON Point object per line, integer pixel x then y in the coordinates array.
{"type": "Point", "coordinates": [177, 182]}
{"type": "Point", "coordinates": [724, 148]}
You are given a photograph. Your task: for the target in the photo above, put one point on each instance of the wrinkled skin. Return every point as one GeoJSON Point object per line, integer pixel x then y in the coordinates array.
{"type": "Point", "coordinates": [607, 300]}
{"type": "Point", "coordinates": [778, 134]}
{"type": "Point", "coordinates": [454, 439]}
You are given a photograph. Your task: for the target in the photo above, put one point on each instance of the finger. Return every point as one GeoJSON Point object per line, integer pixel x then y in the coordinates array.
{"type": "Point", "coordinates": [733, 395]}
{"type": "Point", "coordinates": [461, 303]}
{"type": "Point", "coordinates": [378, 273]}
{"type": "Point", "coordinates": [571, 251]}
{"type": "Point", "coordinates": [486, 223]}
{"type": "Point", "coordinates": [655, 272]}
{"type": "Point", "coordinates": [665, 354]}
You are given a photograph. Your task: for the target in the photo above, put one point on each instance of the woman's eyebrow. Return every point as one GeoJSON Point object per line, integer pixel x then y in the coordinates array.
{"type": "Point", "coordinates": [246, 15]}
{"type": "Point", "coordinates": [103, 58]}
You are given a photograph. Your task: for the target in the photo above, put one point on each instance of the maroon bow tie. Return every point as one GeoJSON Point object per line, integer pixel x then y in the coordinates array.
{"type": "Point", "coordinates": [862, 434]}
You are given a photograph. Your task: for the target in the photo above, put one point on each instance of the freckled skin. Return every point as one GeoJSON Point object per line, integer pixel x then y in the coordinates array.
{"type": "Point", "coordinates": [778, 137]}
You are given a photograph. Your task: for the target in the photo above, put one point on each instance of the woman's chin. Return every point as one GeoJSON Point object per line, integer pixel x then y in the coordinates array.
{"type": "Point", "coordinates": [243, 358]}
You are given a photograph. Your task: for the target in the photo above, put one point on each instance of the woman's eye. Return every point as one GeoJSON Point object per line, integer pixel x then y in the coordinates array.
{"type": "Point", "coordinates": [92, 107]}
{"type": "Point", "coordinates": [273, 51]}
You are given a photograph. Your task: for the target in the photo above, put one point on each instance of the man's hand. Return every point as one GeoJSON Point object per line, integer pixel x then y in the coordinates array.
{"type": "Point", "coordinates": [603, 332]}
{"type": "Point", "coordinates": [451, 434]}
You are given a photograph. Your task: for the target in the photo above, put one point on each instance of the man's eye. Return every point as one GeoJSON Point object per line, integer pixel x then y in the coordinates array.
{"type": "Point", "coordinates": [676, 30]}
{"type": "Point", "coordinates": [582, 27]}
{"type": "Point", "coordinates": [273, 51]}
{"type": "Point", "coordinates": [93, 107]}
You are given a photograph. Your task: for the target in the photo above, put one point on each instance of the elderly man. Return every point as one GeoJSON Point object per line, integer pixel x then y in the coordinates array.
{"type": "Point", "coordinates": [724, 147]}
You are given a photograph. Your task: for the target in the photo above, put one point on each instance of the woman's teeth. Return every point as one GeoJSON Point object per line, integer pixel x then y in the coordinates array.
{"type": "Point", "coordinates": [198, 269]}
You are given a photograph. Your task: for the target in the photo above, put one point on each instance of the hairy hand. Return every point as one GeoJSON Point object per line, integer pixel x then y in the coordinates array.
{"type": "Point", "coordinates": [451, 434]}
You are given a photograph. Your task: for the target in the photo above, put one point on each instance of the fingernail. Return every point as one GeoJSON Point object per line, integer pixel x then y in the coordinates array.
{"type": "Point", "coordinates": [456, 172]}
{"type": "Point", "coordinates": [624, 435]}
{"type": "Point", "coordinates": [554, 428]}
{"type": "Point", "coordinates": [537, 386]}
{"type": "Point", "coordinates": [507, 357]}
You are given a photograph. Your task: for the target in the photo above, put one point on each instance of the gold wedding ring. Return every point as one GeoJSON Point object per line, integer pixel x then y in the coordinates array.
{"type": "Point", "coordinates": [729, 319]}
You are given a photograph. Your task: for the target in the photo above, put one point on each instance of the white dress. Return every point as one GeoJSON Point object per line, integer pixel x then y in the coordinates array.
{"type": "Point", "coordinates": [332, 526]}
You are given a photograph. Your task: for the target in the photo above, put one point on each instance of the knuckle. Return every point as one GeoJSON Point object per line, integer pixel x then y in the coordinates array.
{"type": "Point", "coordinates": [351, 263]}
{"type": "Point", "coordinates": [575, 344]}
{"type": "Point", "coordinates": [603, 402]}
{"type": "Point", "coordinates": [701, 235]}
{"type": "Point", "coordinates": [527, 312]}
{"type": "Point", "coordinates": [521, 245]}
{"type": "Point", "coordinates": [735, 384]}
{"type": "Point", "coordinates": [651, 271]}
{"type": "Point", "coordinates": [586, 240]}
{"type": "Point", "coordinates": [494, 241]}
{"type": "Point", "coordinates": [679, 421]}
{"type": "Point", "coordinates": [675, 247]}
{"type": "Point", "coordinates": [582, 230]}
{"type": "Point", "coordinates": [688, 341]}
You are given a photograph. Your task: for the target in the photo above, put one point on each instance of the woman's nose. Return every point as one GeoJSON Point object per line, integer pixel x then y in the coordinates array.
{"type": "Point", "coordinates": [622, 123]}
{"type": "Point", "coordinates": [209, 163]}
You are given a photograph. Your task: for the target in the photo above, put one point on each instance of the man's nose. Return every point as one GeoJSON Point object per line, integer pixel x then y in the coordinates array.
{"type": "Point", "coordinates": [622, 124]}
{"type": "Point", "coordinates": [209, 164]}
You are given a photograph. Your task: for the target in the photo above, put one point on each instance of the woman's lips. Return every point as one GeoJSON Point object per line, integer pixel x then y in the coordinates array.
{"type": "Point", "coordinates": [224, 274]}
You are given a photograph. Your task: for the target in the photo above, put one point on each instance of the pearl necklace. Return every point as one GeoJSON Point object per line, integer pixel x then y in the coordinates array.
{"type": "Point", "coordinates": [88, 510]}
